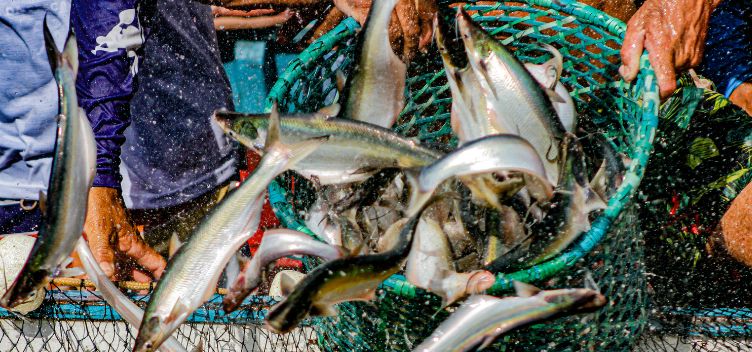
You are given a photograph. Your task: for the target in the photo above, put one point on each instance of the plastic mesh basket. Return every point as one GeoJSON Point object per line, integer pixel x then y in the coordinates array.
{"type": "Point", "coordinates": [589, 40]}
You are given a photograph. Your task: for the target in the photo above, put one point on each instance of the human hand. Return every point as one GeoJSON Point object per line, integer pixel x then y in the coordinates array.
{"type": "Point", "coordinates": [114, 241]}
{"type": "Point", "coordinates": [227, 19]}
{"type": "Point", "coordinates": [673, 32]}
{"type": "Point", "coordinates": [411, 28]}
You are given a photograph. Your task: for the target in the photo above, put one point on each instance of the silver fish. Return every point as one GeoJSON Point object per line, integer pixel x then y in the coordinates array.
{"type": "Point", "coordinates": [353, 152]}
{"type": "Point", "coordinates": [116, 299]}
{"type": "Point", "coordinates": [376, 91]}
{"type": "Point", "coordinates": [574, 201]}
{"type": "Point", "coordinates": [319, 222]}
{"type": "Point", "coordinates": [517, 99]}
{"type": "Point", "coordinates": [548, 74]}
{"type": "Point", "coordinates": [486, 155]}
{"type": "Point", "coordinates": [192, 274]}
{"type": "Point", "coordinates": [73, 170]}
{"type": "Point", "coordinates": [470, 113]}
{"type": "Point", "coordinates": [482, 319]}
{"type": "Point", "coordinates": [430, 266]}
{"type": "Point", "coordinates": [340, 280]}
{"type": "Point", "coordinates": [275, 244]}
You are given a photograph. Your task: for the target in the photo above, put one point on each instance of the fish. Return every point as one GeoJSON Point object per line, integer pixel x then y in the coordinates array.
{"type": "Point", "coordinates": [610, 175]}
{"type": "Point", "coordinates": [430, 266]}
{"type": "Point", "coordinates": [470, 114]}
{"type": "Point", "coordinates": [192, 274]}
{"type": "Point", "coordinates": [72, 175]}
{"type": "Point", "coordinates": [547, 75]}
{"type": "Point", "coordinates": [496, 153]}
{"type": "Point", "coordinates": [275, 244]}
{"type": "Point", "coordinates": [116, 299]}
{"type": "Point", "coordinates": [505, 235]}
{"type": "Point", "coordinates": [353, 152]}
{"type": "Point", "coordinates": [375, 93]}
{"type": "Point", "coordinates": [482, 319]}
{"type": "Point", "coordinates": [573, 201]}
{"type": "Point", "coordinates": [320, 222]}
{"type": "Point", "coordinates": [516, 98]}
{"type": "Point", "coordinates": [340, 280]}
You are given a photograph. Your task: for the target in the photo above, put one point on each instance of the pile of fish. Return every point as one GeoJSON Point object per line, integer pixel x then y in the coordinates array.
{"type": "Point", "coordinates": [518, 190]}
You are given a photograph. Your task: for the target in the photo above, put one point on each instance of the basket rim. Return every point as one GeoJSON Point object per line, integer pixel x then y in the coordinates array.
{"type": "Point", "coordinates": [645, 134]}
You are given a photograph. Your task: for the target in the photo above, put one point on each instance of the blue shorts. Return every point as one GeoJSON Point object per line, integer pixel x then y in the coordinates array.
{"type": "Point", "coordinates": [728, 48]}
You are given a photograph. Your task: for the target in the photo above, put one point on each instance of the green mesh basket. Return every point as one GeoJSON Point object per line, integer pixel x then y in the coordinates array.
{"type": "Point", "coordinates": [611, 251]}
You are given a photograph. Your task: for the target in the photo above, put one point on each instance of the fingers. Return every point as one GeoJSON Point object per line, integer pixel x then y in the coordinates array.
{"type": "Point", "coordinates": [407, 15]}
{"type": "Point", "coordinates": [334, 17]}
{"type": "Point", "coordinates": [102, 251]}
{"type": "Point", "coordinates": [662, 59]}
{"type": "Point", "coordinates": [631, 50]}
{"type": "Point", "coordinates": [134, 247]}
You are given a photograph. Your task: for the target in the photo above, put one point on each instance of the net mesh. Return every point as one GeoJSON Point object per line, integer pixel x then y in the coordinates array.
{"type": "Point", "coordinates": [403, 316]}
{"type": "Point", "coordinates": [702, 162]}
{"type": "Point", "coordinates": [79, 320]}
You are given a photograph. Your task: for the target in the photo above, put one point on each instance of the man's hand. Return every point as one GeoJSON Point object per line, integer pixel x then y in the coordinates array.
{"type": "Point", "coordinates": [411, 28]}
{"type": "Point", "coordinates": [673, 32]}
{"type": "Point", "coordinates": [113, 239]}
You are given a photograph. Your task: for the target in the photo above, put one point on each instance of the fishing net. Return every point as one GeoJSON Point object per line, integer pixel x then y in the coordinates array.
{"type": "Point", "coordinates": [76, 318]}
{"type": "Point", "coordinates": [701, 162]}
{"type": "Point", "coordinates": [611, 252]}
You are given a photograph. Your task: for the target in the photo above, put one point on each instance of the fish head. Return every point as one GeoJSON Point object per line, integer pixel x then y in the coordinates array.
{"type": "Point", "coordinates": [246, 129]}
{"type": "Point", "coordinates": [578, 300]}
{"type": "Point", "coordinates": [480, 46]}
{"type": "Point", "coordinates": [151, 334]}
{"type": "Point", "coordinates": [285, 316]}
{"type": "Point", "coordinates": [27, 285]}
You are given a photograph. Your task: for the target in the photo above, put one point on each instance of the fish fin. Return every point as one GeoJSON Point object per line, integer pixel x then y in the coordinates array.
{"type": "Point", "coordinates": [341, 80]}
{"type": "Point", "coordinates": [70, 54]}
{"type": "Point", "coordinates": [328, 112]}
{"type": "Point", "coordinates": [525, 290]}
{"type": "Point", "coordinates": [53, 55]}
{"type": "Point", "coordinates": [174, 245]}
{"type": "Point", "coordinates": [555, 66]}
{"type": "Point", "coordinates": [553, 96]}
{"type": "Point", "coordinates": [593, 201]}
{"type": "Point", "coordinates": [273, 131]}
{"type": "Point", "coordinates": [598, 181]}
{"type": "Point", "coordinates": [287, 284]}
{"type": "Point", "coordinates": [178, 311]}
{"type": "Point", "coordinates": [301, 150]}
{"type": "Point", "coordinates": [323, 310]}
{"type": "Point", "coordinates": [42, 202]}
{"type": "Point", "coordinates": [418, 197]}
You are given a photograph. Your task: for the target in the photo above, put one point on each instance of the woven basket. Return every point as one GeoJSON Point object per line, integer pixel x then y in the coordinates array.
{"type": "Point", "coordinates": [590, 41]}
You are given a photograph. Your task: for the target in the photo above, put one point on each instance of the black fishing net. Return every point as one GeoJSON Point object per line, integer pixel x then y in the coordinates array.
{"type": "Point", "coordinates": [79, 320]}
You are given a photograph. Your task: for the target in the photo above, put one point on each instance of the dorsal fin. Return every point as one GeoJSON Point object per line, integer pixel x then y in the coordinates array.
{"type": "Point", "coordinates": [174, 245]}
{"type": "Point", "coordinates": [286, 284]}
{"type": "Point", "coordinates": [273, 132]}
{"type": "Point", "coordinates": [525, 290]}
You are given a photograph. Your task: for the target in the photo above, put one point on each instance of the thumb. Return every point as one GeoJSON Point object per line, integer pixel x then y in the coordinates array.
{"type": "Point", "coordinates": [99, 244]}
{"type": "Point", "coordinates": [631, 50]}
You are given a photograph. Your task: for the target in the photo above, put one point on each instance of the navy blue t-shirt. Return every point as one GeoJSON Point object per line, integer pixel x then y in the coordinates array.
{"type": "Point", "coordinates": [172, 151]}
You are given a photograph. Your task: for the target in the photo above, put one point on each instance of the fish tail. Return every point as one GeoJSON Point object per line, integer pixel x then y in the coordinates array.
{"type": "Point", "coordinates": [418, 197]}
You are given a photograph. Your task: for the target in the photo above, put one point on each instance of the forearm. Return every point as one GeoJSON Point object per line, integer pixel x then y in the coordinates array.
{"type": "Point", "coordinates": [106, 32]}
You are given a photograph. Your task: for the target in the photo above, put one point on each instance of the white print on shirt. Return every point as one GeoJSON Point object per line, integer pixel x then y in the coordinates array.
{"type": "Point", "coordinates": [122, 36]}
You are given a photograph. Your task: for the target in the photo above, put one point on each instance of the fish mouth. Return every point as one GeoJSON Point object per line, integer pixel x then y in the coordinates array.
{"type": "Point", "coordinates": [470, 34]}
